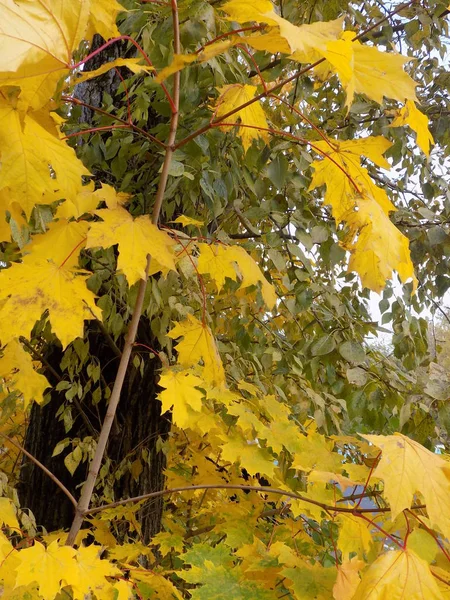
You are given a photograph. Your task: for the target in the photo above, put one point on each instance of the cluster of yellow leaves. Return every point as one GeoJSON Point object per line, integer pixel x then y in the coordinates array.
{"type": "Point", "coordinates": [56, 567]}
{"type": "Point", "coordinates": [376, 246]}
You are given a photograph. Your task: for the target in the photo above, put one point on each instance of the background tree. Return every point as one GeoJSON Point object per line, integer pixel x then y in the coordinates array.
{"type": "Point", "coordinates": [286, 164]}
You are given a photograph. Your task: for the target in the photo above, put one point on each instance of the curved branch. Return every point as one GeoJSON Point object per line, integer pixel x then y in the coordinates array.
{"type": "Point", "coordinates": [251, 488]}
{"type": "Point", "coordinates": [53, 477]}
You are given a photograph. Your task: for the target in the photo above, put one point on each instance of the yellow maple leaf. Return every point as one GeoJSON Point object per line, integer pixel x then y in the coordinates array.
{"type": "Point", "coordinates": [178, 63]}
{"type": "Point", "coordinates": [347, 579]}
{"type": "Point", "coordinates": [234, 95]}
{"type": "Point", "coordinates": [85, 201]}
{"type": "Point", "coordinates": [8, 514]}
{"type": "Point", "coordinates": [397, 575]}
{"type": "Point", "coordinates": [406, 468]}
{"type": "Point", "coordinates": [301, 42]}
{"type": "Point", "coordinates": [49, 567]}
{"type": "Point", "coordinates": [215, 260]}
{"type": "Point", "coordinates": [250, 455]}
{"type": "Point", "coordinates": [366, 70]}
{"type": "Point", "coordinates": [376, 246]}
{"type": "Point", "coordinates": [133, 64]}
{"type": "Point", "coordinates": [340, 169]}
{"type": "Point", "coordinates": [61, 244]}
{"type": "Point", "coordinates": [198, 344]}
{"type": "Point", "coordinates": [36, 44]}
{"type": "Point", "coordinates": [89, 572]}
{"type": "Point", "coordinates": [180, 394]}
{"type": "Point", "coordinates": [31, 144]}
{"type": "Point", "coordinates": [41, 286]}
{"type": "Point", "coordinates": [306, 41]}
{"type": "Point", "coordinates": [219, 261]}
{"type": "Point", "coordinates": [136, 238]}
{"type": "Point", "coordinates": [250, 10]}
{"type": "Point", "coordinates": [159, 585]}
{"type": "Point", "coordinates": [412, 116]}
{"type": "Point", "coordinates": [185, 221]}
{"type": "Point", "coordinates": [354, 536]}
{"type": "Point", "coordinates": [124, 589]}
{"type": "Point", "coordinates": [16, 368]}
{"type": "Point", "coordinates": [102, 18]}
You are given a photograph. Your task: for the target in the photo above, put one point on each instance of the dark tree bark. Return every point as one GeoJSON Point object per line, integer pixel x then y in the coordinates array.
{"type": "Point", "coordinates": [139, 423]}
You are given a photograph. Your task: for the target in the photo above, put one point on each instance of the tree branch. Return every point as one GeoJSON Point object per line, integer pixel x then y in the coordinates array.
{"type": "Point", "coordinates": [251, 488]}
{"type": "Point", "coordinates": [53, 477]}
{"type": "Point", "coordinates": [88, 488]}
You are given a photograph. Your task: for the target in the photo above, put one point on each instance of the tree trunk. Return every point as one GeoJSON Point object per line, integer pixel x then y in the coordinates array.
{"type": "Point", "coordinates": [139, 423]}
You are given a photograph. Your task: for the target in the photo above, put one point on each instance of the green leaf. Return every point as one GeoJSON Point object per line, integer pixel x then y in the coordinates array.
{"type": "Point", "coordinates": [353, 352]}
{"type": "Point", "coordinates": [324, 345]}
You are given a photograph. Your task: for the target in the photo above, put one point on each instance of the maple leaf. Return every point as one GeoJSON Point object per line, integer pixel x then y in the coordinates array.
{"type": "Point", "coordinates": [250, 10]}
{"type": "Point", "coordinates": [49, 567]}
{"type": "Point", "coordinates": [220, 583]}
{"type": "Point", "coordinates": [198, 344]}
{"type": "Point", "coordinates": [234, 95]}
{"type": "Point", "coordinates": [180, 394]}
{"type": "Point", "coordinates": [347, 579]}
{"type": "Point", "coordinates": [354, 536]}
{"type": "Point", "coordinates": [16, 368]}
{"type": "Point", "coordinates": [37, 41]}
{"type": "Point", "coordinates": [168, 541]}
{"type": "Point", "coordinates": [376, 246]}
{"type": "Point", "coordinates": [397, 575]}
{"type": "Point", "coordinates": [133, 64]}
{"type": "Point", "coordinates": [306, 41]}
{"type": "Point", "coordinates": [36, 44]}
{"type": "Point", "coordinates": [86, 201]}
{"type": "Point", "coordinates": [61, 244]}
{"type": "Point", "coordinates": [89, 572]}
{"type": "Point", "coordinates": [406, 468]}
{"type": "Point", "coordinates": [102, 18]}
{"type": "Point", "coordinates": [136, 239]}
{"type": "Point", "coordinates": [250, 455]}
{"type": "Point", "coordinates": [216, 260]}
{"type": "Point", "coordinates": [342, 170]}
{"type": "Point", "coordinates": [29, 145]}
{"type": "Point", "coordinates": [310, 581]}
{"type": "Point", "coordinates": [8, 514]}
{"type": "Point", "coordinates": [220, 262]}
{"type": "Point", "coordinates": [42, 286]}
{"type": "Point", "coordinates": [185, 221]}
{"type": "Point", "coordinates": [412, 116]}
{"type": "Point", "coordinates": [366, 70]}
